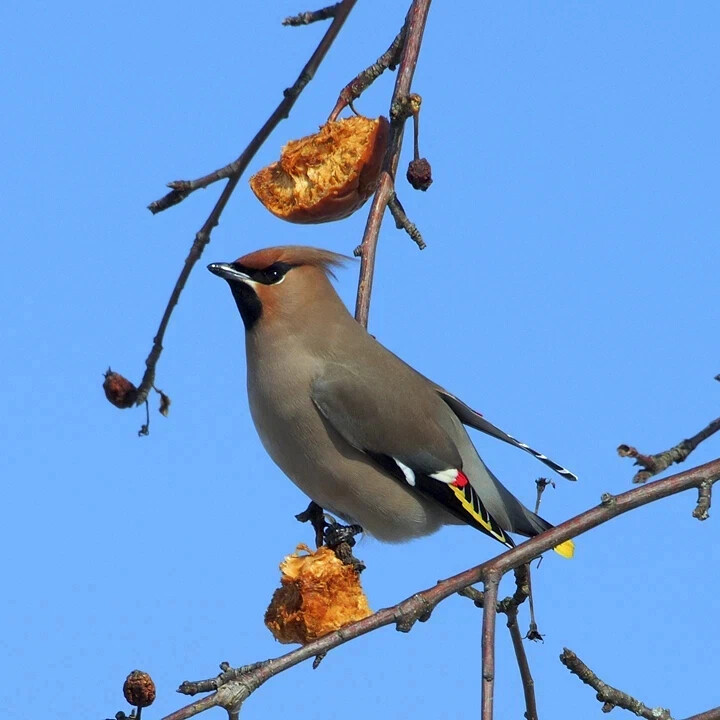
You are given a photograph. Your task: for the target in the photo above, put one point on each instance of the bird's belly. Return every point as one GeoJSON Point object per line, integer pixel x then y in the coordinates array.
{"type": "Point", "coordinates": [339, 478]}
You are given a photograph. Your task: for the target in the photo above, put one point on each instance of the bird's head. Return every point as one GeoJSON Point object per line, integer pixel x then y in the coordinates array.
{"type": "Point", "coordinates": [279, 281]}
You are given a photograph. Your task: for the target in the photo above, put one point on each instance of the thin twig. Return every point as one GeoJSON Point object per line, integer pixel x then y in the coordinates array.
{"type": "Point", "coordinates": [509, 606]}
{"type": "Point", "coordinates": [414, 28]}
{"type": "Point", "coordinates": [402, 221]}
{"type": "Point", "coordinates": [237, 168]}
{"type": "Point", "coordinates": [306, 18]}
{"type": "Point", "coordinates": [703, 503]}
{"type": "Point", "coordinates": [541, 484]}
{"type": "Point", "coordinates": [533, 633]}
{"type": "Point", "coordinates": [655, 464]}
{"type": "Point", "coordinates": [525, 675]}
{"type": "Point", "coordinates": [357, 86]}
{"type": "Point", "coordinates": [492, 581]}
{"type": "Point", "coordinates": [234, 686]}
{"type": "Point", "coordinates": [182, 188]}
{"type": "Point", "coordinates": [610, 697]}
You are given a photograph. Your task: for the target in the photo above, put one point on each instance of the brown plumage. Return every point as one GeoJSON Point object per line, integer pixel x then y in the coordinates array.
{"type": "Point", "coordinates": [358, 430]}
{"type": "Point", "coordinates": [294, 255]}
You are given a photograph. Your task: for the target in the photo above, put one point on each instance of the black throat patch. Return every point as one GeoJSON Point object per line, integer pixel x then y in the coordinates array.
{"type": "Point", "coordinates": [248, 303]}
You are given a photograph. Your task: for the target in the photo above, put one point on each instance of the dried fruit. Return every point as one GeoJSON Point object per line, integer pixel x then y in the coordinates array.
{"type": "Point", "coordinates": [326, 176]}
{"type": "Point", "coordinates": [165, 403]}
{"type": "Point", "coordinates": [318, 594]}
{"type": "Point", "coordinates": [139, 689]}
{"type": "Point", "coordinates": [119, 390]}
{"type": "Point", "coordinates": [419, 174]}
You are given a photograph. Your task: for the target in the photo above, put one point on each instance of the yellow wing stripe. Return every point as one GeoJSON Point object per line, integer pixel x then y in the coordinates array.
{"type": "Point", "coordinates": [486, 523]}
{"type": "Point", "coordinates": [565, 549]}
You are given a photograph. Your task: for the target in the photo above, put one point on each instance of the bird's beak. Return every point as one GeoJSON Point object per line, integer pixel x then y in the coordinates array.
{"type": "Point", "coordinates": [227, 272]}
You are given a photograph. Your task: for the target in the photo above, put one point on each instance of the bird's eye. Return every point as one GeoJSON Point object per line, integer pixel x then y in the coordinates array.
{"type": "Point", "coordinates": [275, 273]}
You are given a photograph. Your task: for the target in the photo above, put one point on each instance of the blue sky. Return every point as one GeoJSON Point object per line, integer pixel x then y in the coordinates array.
{"type": "Point", "coordinates": [568, 292]}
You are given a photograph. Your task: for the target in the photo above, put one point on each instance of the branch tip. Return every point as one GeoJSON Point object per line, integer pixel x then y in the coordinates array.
{"type": "Point", "coordinates": [610, 697]}
{"type": "Point", "coordinates": [703, 502]}
{"type": "Point", "coordinates": [306, 18]}
{"type": "Point", "coordinates": [655, 464]}
{"type": "Point", "coordinates": [402, 222]}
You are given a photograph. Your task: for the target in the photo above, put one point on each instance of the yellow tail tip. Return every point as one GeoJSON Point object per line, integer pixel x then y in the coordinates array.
{"type": "Point", "coordinates": [566, 549]}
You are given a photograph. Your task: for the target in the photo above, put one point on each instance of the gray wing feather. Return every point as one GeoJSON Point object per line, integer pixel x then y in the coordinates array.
{"type": "Point", "coordinates": [376, 422]}
{"type": "Point", "coordinates": [469, 417]}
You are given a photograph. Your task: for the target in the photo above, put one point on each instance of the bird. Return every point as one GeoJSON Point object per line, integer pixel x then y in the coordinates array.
{"type": "Point", "coordinates": [366, 436]}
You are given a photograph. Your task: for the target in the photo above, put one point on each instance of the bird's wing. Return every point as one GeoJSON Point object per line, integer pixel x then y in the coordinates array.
{"type": "Point", "coordinates": [397, 433]}
{"type": "Point", "coordinates": [474, 419]}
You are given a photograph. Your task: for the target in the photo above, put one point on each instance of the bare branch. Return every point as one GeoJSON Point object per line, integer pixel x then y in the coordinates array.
{"type": "Point", "coordinates": [232, 687]}
{"type": "Point", "coordinates": [509, 606]}
{"type": "Point", "coordinates": [703, 504]}
{"type": "Point", "coordinates": [655, 464]}
{"type": "Point", "coordinates": [306, 18]}
{"type": "Point", "coordinates": [234, 171]}
{"type": "Point", "coordinates": [492, 580]}
{"type": "Point", "coordinates": [402, 221]}
{"type": "Point", "coordinates": [182, 188]}
{"type": "Point", "coordinates": [525, 675]}
{"type": "Point", "coordinates": [357, 86]}
{"type": "Point", "coordinates": [414, 28]}
{"type": "Point", "coordinates": [610, 697]}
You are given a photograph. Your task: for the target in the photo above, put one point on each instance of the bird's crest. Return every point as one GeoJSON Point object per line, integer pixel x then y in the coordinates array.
{"type": "Point", "coordinates": [295, 255]}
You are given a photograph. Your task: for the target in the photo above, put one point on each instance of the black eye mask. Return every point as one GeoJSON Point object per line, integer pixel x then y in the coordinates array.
{"type": "Point", "coordinates": [267, 276]}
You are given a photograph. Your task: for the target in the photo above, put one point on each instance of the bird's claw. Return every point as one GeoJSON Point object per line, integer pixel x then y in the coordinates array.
{"type": "Point", "coordinates": [316, 517]}
{"type": "Point", "coordinates": [336, 534]}
{"type": "Point", "coordinates": [341, 539]}
{"type": "Point", "coordinates": [330, 533]}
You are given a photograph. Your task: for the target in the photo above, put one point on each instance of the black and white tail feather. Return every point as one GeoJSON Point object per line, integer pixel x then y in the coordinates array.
{"type": "Point", "coordinates": [469, 417]}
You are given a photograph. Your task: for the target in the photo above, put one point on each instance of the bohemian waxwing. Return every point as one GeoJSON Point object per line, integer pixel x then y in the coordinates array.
{"type": "Point", "coordinates": [360, 432]}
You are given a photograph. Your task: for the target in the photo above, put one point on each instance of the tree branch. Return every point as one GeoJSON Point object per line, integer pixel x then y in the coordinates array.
{"type": "Point", "coordinates": [523, 665]}
{"type": "Point", "coordinates": [182, 188]}
{"type": "Point", "coordinates": [414, 28]}
{"type": "Point", "coordinates": [492, 580]}
{"type": "Point", "coordinates": [509, 606]}
{"type": "Point", "coordinates": [233, 686]}
{"type": "Point", "coordinates": [608, 695]}
{"type": "Point", "coordinates": [233, 172]}
{"type": "Point", "coordinates": [363, 80]}
{"type": "Point", "coordinates": [402, 222]}
{"type": "Point", "coordinates": [306, 18]}
{"type": "Point", "coordinates": [703, 503]}
{"type": "Point", "coordinates": [655, 464]}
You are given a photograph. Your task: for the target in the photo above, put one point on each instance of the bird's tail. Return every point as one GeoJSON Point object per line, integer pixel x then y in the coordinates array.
{"type": "Point", "coordinates": [565, 549]}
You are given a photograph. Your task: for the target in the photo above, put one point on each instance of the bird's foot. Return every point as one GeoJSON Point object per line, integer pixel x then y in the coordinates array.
{"type": "Point", "coordinates": [341, 539]}
{"type": "Point", "coordinates": [315, 515]}
{"type": "Point", "coordinates": [330, 533]}
{"type": "Point", "coordinates": [336, 534]}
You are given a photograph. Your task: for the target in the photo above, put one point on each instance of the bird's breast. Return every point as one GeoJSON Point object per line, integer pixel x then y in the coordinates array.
{"type": "Point", "coordinates": [337, 476]}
